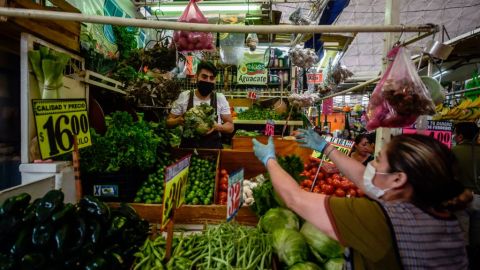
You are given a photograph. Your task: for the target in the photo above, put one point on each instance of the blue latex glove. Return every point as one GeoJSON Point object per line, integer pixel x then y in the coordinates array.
{"type": "Point", "coordinates": [310, 139]}
{"type": "Point", "coordinates": [264, 152]}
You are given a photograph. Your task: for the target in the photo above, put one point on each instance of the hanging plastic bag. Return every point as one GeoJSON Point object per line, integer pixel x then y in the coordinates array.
{"type": "Point", "coordinates": [187, 41]}
{"type": "Point", "coordinates": [231, 44]}
{"type": "Point", "coordinates": [252, 41]}
{"type": "Point", "coordinates": [400, 96]}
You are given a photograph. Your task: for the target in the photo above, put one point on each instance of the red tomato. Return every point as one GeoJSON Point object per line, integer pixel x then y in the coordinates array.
{"type": "Point", "coordinates": [360, 193]}
{"type": "Point", "coordinates": [306, 189]}
{"type": "Point", "coordinates": [319, 182]}
{"type": "Point", "coordinates": [222, 196]}
{"type": "Point", "coordinates": [307, 174]}
{"type": "Point", "coordinates": [339, 192]}
{"type": "Point", "coordinates": [224, 187]}
{"type": "Point", "coordinates": [308, 183]}
{"type": "Point", "coordinates": [352, 193]}
{"type": "Point", "coordinates": [328, 189]}
{"type": "Point", "coordinates": [345, 185]}
{"type": "Point", "coordinates": [223, 202]}
{"type": "Point", "coordinates": [336, 183]}
{"type": "Point", "coordinates": [313, 171]}
{"type": "Point", "coordinates": [316, 190]}
{"type": "Point", "coordinates": [306, 167]}
{"type": "Point", "coordinates": [329, 181]}
{"type": "Point", "coordinates": [224, 180]}
{"type": "Point", "coordinates": [223, 172]}
{"type": "Point", "coordinates": [321, 175]}
{"type": "Point", "coordinates": [336, 176]}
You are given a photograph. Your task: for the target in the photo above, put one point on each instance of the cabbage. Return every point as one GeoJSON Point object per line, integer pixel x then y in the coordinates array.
{"type": "Point", "coordinates": [334, 264]}
{"type": "Point", "coordinates": [198, 121]}
{"type": "Point", "coordinates": [290, 246]}
{"type": "Point", "coordinates": [305, 266]}
{"type": "Point", "coordinates": [320, 242]}
{"type": "Point", "coordinates": [278, 218]}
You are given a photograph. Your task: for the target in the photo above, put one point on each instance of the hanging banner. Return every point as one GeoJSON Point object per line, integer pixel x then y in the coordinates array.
{"type": "Point", "coordinates": [175, 187]}
{"type": "Point", "coordinates": [342, 145]}
{"type": "Point", "coordinates": [252, 70]}
{"type": "Point", "coordinates": [57, 122]}
{"type": "Point", "coordinates": [327, 106]}
{"type": "Point", "coordinates": [235, 191]}
{"type": "Point", "coordinates": [440, 130]}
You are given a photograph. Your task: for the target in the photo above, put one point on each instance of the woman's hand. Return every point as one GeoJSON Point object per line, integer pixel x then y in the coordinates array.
{"type": "Point", "coordinates": [310, 139]}
{"type": "Point", "coordinates": [264, 152]}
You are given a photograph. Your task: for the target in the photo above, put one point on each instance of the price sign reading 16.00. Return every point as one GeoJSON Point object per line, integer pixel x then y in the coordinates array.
{"type": "Point", "coordinates": [58, 122]}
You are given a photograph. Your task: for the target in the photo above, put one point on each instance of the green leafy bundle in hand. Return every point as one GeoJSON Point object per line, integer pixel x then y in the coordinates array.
{"type": "Point", "coordinates": [198, 121]}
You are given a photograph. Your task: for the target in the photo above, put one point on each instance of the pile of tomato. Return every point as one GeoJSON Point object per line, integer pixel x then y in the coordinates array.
{"type": "Point", "coordinates": [329, 181]}
{"type": "Point", "coordinates": [223, 187]}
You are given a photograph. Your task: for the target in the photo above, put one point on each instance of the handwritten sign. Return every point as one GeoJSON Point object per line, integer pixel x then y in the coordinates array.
{"type": "Point", "coordinates": [270, 128]}
{"type": "Point", "coordinates": [252, 95]}
{"type": "Point", "coordinates": [440, 130]}
{"type": "Point", "coordinates": [342, 145]}
{"type": "Point", "coordinates": [57, 122]}
{"type": "Point", "coordinates": [235, 191]}
{"type": "Point", "coordinates": [175, 187]}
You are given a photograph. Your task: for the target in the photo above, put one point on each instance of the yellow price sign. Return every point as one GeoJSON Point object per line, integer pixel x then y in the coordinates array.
{"type": "Point", "coordinates": [57, 122]}
{"type": "Point", "coordinates": [175, 187]}
{"type": "Point", "coordinates": [342, 145]}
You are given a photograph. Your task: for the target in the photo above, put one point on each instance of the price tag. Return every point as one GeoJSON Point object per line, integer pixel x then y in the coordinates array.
{"type": "Point", "coordinates": [315, 78]}
{"type": "Point", "coordinates": [270, 128]}
{"type": "Point", "coordinates": [342, 145]}
{"type": "Point", "coordinates": [235, 192]}
{"type": "Point", "coordinates": [57, 121]}
{"type": "Point", "coordinates": [252, 95]}
{"type": "Point", "coordinates": [439, 130]}
{"type": "Point", "coordinates": [175, 187]}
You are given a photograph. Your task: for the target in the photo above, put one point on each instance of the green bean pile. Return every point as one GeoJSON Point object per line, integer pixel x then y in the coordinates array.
{"type": "Point", "coordinates": [227, 246]}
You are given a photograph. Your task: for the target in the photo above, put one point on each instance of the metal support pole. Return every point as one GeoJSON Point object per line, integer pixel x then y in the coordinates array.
{"type": "Point", "coordinates": [199, 27]}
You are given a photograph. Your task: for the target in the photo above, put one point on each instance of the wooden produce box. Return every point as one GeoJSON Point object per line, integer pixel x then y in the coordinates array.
{"type": "Point", "coordinates": [211, 154]}
{"type": "Point", "coordinates": [233, 160]}
{"type": "Point", "coordinates": [193, 214]}
{"type": "Point", "coordinates": [282, 147]}
{"type": "Point", "coordinates": [62, 33]}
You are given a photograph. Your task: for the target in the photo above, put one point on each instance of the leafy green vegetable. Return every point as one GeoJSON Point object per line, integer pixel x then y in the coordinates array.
{"type": "Point", "coordinates": [126, 40]}
{"type": "Point", "coordinates": [264, 199]}
{"type": "Point", "coordinates": [290, 246]}
{"type": "Point", "coordinates": [334, 264]}
{"type": "Point", "coordinates": [198, 121]}
{"type": "Point", "coordinates": [293, 165]}
{"type": "Point", "coordinates": [305, 266]}
{"type": "Point", "coordinates": [259, 113]}
{"type": "Point", "coordinates": [127, 145]}
{"type": "Point", "coordinates": [320, 242]}
{"type": "Point", "coordinates": [278, 218]}
{"type": "Point", "coordinates": [48, 66]}
{"type": "Point", "coordinates": [242, 132]}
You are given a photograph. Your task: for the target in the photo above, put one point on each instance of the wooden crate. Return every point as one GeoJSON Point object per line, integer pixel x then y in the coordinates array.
{"type": "Point", "coordinates": [63, 33]}
{"type": "Point", "coordinates": [193, 214]}
{"type": "Point", "coordinates": [210, 154]}
{"type": "Point", "coordinates": [233, 160]}
{"type": "Point", "coordinates": [282, 147]}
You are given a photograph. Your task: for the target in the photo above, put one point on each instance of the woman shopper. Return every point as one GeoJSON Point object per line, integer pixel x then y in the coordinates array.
{"type": "Point", "coordinates": [364, 147]}
{"type": "Point", "coordinates": [408, 224]}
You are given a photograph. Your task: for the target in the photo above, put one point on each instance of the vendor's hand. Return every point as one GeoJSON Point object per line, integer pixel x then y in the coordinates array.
{"type": "Point", "coordinates": [310, 139]}
{"type": "Point", "coordinates": [264, 152]}
{"type": "Point", "coordinates": [215, 127]}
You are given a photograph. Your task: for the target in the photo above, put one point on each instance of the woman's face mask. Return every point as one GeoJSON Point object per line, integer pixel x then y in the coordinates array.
{"type": "Point", "coordinates": [370, 189]}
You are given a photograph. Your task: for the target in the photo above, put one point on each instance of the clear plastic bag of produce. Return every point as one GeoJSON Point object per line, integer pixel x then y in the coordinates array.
{"type": "Point", "coordinates": [400, 96]}
{"type": "Point", "coordinates": [187, 41]}
{"type": "Point", "coordinates": [231, 47]}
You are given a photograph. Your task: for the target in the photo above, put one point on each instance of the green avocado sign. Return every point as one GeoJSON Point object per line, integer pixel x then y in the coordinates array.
{"type": "Point", "coordinates": [252, 70]}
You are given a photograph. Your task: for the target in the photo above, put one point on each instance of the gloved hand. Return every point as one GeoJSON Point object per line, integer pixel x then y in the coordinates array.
{"type": "Point", "coordinates": [264, 152]}
{"type": "Point", "coordinates": [310, 139]}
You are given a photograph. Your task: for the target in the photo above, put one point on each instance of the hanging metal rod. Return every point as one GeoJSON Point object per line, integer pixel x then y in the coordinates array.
{"type": "Point", "coordinates": [260, 29]}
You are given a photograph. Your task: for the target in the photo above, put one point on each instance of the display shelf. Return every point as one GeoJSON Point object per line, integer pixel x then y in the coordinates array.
{"type": "Point", "coordinates": [279, 68]}
{"type": "Point", "coordinates": [263, 122]}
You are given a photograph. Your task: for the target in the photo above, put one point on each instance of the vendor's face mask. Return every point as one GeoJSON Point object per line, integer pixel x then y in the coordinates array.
{"type": "Point", "coordinates": [205, 88]}
{"type": "Point", "coordinates": [370, 189]}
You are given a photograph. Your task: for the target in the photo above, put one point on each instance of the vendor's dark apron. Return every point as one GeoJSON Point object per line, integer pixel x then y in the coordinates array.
{"type": "Point", "coordinates": [210, 141]}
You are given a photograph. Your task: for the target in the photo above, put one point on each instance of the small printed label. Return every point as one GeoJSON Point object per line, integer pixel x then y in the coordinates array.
{"type": "Point", "coordinates": [105, 190]}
